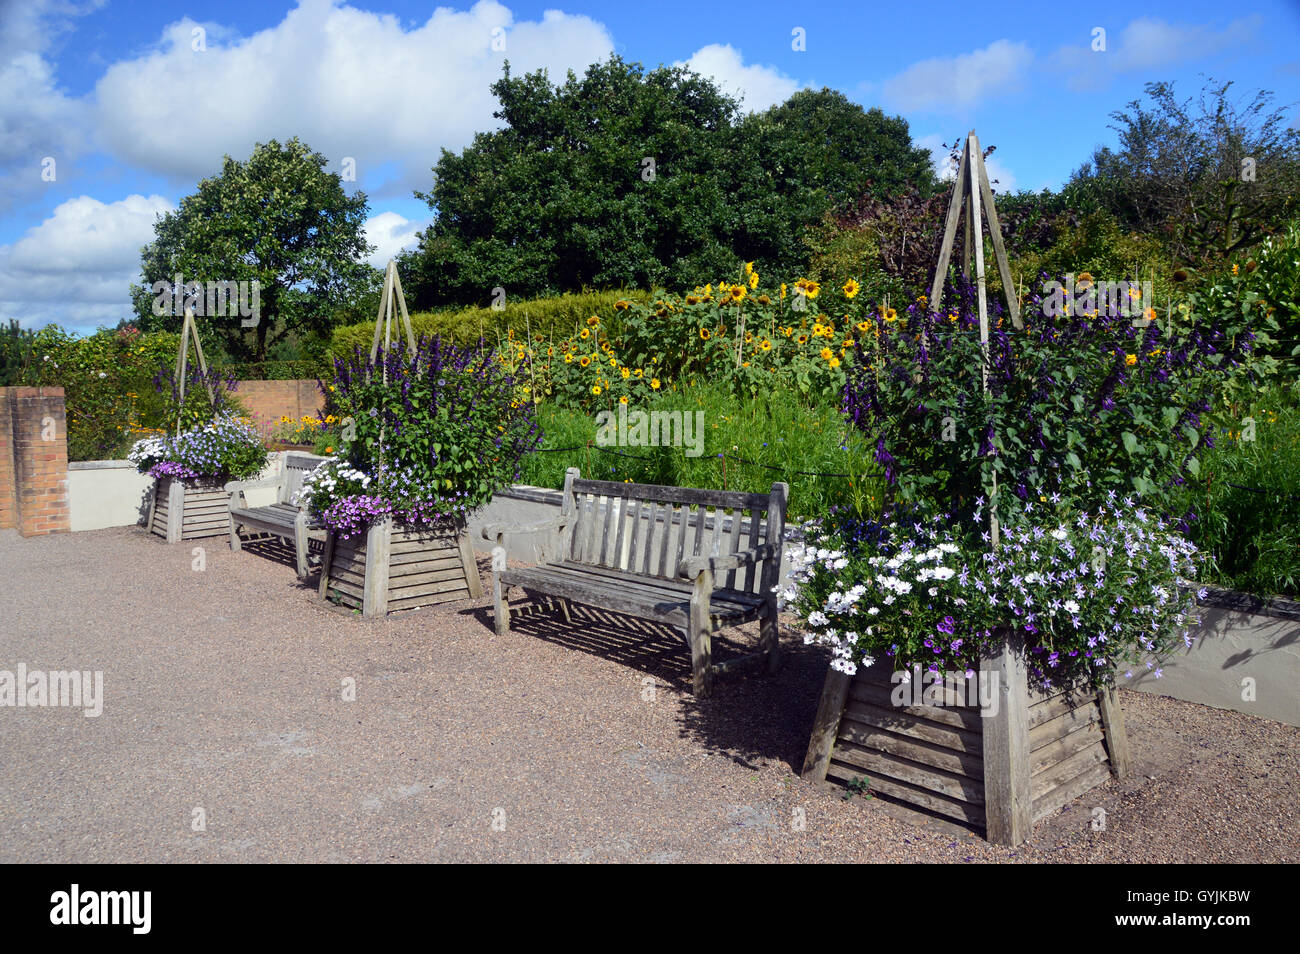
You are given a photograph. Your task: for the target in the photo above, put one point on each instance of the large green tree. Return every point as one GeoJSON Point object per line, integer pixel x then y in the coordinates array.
{"type": "Point", "coordinates": [1211, 174]}
{"type": "Point", "coordinates": [279, 219]}
{"type": "Point", "coordinates": [629, 177]}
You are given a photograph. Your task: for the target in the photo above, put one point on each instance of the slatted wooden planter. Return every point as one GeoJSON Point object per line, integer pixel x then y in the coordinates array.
{"type": "Point", "coordinates": [1001, 773]}
{"type": "Point", "coordinates": [397, 568]}
{"type": "Point", "coordinates": [189, 509]}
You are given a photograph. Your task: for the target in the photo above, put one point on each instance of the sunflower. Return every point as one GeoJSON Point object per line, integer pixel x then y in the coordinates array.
{"type": "Point", "coordinates": [749, 268]}
{"type": "Point", "coordinates": [1130, 359]}
{"type": "Point", "coordinates": [692, 300]}
{"type": "Point", "coordinates": [704, 334]}
{"type": "Point", "coordinates": [863, 325]}
{"type": "Point", "coordinates": [827, 354]}
{"type": "Point", "coordinates": [833, 363]}
{"type": "Point", "coordinates": [737, 293]}
{"type": "Point", "coordinates": [584, 361]}
{"type": "Point", "coordinates": [654, 384]}
{"type": "Point", "coordinates": [627, 373]}
{"type": "Point", "coordinates": [584, 333]}
{"type": "Point", "coordinates": [621, 305]}
{"type": "Point", "coordinates": [593, 321]}
{"type": "Point", "coordinates": [851, 288]}
{"type": "Point", "coordinates": [623, 399]}
{"type": "Point", "coordinates": [568, 359]}
{"type": "Point", "coordinates": [802, 339]}
{"type": "Point", "coordinates": [765, 345]}
{"type": "Point", "coordinates": [595, 389]}
{"type": "Point", "coordinates": [753, 280]}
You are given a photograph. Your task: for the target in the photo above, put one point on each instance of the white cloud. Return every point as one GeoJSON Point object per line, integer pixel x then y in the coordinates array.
{"type": "Point", "coordinates": [757, 87]}
{"type": "Point", "coordinates": [348, 82]}
{"type": "Point", "coordinates": [76, 266]}
{"type": "Point", "coordinates": [1149, 43]}
{"type": "Point", "coordinates": [37, 120]}
{"type": "Point", "coordinates": [390, 233]}
{"type": "Point", "coordinates": [956, 82]}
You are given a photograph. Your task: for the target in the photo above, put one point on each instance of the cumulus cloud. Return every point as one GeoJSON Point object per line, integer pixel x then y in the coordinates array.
{"type": "Point", "coordinates": [76, 267]}
{"type": "Point", "coordinates": [757, 87]}
{"type": "Point", "coordinates": [348, 82]}
{"type": "Point", "coordinates": [390, 233]}
{"type": "Point", "coordinates": [37, 119]}
{"type": "Point", "coordinates": [1149, 43]}
{"type": "Point", "coordinates": [957, 82]}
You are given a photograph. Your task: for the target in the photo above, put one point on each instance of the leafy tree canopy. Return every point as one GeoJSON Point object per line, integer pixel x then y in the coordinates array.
{"type": "Point", "coordinates": [1212, 174]}
{"type": "Point", "coordinates": [628, 177]}
{"type": "Point", "coordinates": [278, 219]}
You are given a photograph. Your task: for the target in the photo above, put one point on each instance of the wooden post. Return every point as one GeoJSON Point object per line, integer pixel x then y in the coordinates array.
{"type": "Point", "coordinates": [1007, 796]}
{"type": "Point", "coordinates": [698, 635]}
{"type": "Point", "coordinates": [175, 510]}
{"type": "Point", "coordinates": [769, 635]}
{"type": "Point", "coordinates": [188, 330]}
{"type": "Point", "coordinates": [1112, 723]}
{"type": "Point", "coordinates": [500, 608]}
{"type": "Point", "coordinates": [375, 594]}
{"type": "Point", "coordinates": [470, 564]}
{"type": "Point", "coordinates": [826, 725]}
{"type": "Point", "coordinates": [325, 562]}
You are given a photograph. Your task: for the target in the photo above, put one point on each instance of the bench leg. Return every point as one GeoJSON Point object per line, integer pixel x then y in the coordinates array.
{"type": "Point", "coordinates": [500, 610]}
{"type": "Point", "coordinates": [300, 543]}
{"type": "Point", "coordinates": [564, 608]}
{"type": "Point", "coordinates": [769, 638]}
{"type": "Point", "coordinates": [235, 543]}
{"type": "Point", "coordinates": [699, 636]}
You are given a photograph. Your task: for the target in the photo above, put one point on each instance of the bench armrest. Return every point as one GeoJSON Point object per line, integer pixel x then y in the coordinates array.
{"type": "Point", "coordinates": [494, 531]}
{"type": "Point", "coordinates": [693, 566]}
{"type": "Point", "coordinates": [238, 486]}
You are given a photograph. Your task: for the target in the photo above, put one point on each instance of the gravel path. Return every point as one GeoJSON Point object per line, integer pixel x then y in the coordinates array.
{"type": "Point", "coordinates": [557, 743]}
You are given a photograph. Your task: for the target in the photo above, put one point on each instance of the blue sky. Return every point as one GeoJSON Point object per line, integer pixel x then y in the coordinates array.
{"type": "Point", "coordinates": [110, 112]}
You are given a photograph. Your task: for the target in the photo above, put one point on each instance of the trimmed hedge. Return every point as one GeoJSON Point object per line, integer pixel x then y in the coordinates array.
{"type": "Point", "coordinates": [550, 317]}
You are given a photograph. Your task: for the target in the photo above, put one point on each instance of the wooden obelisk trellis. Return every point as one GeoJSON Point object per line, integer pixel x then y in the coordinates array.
{"type": "Point", "coordinates": [188, 332]}
{"type": "Point", "coordinates": [391, 303]}
{"type": "Point", "coordinates": [1007, 767]}
{"type": "Point", "coordinates": [398, 567]}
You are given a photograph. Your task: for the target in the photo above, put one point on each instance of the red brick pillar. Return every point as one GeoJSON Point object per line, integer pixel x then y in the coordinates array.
{"type": "Point", "coordinates": [8, 481]}
{"type": "Point", "coordinates": [38, 429]}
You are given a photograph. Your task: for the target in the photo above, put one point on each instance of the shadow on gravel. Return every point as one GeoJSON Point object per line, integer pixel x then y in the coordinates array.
{"type": "Point", "coordinates": [749, 717]}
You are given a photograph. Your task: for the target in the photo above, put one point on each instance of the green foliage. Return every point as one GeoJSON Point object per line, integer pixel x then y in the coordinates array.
{"type": "Point", "coordinates": [15, 352]}
{"type": "Point", "coordinates": [552, 317]}
{"type": "Point", "coordinates": [1096, 244]}
{"type": "Point", "coordinates": [278, 219]}
{"type": "Point", "coordinates": [565, 196]}
{"type": "Point", "coordinates": [1080, 404]}
{"type": "Point", "coordinates": [1179, 171]}
{"type": "Point", "coordinates": [108, 380]}
{"type": "Point", "coordinates": [776, 438]}
{"type": "Point", "coordinates": [1245, 504]}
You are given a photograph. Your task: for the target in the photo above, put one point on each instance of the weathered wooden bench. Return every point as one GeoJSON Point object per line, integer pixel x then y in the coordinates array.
{"type": "Point", "coordinates": [284, 518]}
{"type": "Point", "coordinates": [656, 553]}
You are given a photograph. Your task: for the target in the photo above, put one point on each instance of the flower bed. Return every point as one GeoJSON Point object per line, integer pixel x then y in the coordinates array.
{"type": "Point", "coordinates": [427, 438]}
{"type": "Point", "coordinates": [190, 471]}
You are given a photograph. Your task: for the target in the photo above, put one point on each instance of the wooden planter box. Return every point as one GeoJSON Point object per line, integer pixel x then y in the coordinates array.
{"type": "Point", "coordinates": [395, 568]}
{"type": "Point", "coordinates": [189, 509]}
{"type": "Point", "coordinates": [1000, 772]}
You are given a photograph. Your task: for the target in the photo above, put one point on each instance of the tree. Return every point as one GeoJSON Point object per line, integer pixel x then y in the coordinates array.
{"type": "Point", "coordinates": [628, 177]}
{"type": "Point", "coordinates": [279, 220]}
{"type": "Point", "coordinates": [1212, 175]}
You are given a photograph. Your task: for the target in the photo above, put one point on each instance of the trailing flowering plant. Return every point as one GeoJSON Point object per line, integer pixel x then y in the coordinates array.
{"type": "Point", "coordinates": [226, 448]}
{"type": "Point", "coordinates": [1080, 403]}
{"type": "Point", "coordinates": [1089, 591]}
{"type": "Point", "coordinates": [425, 436]}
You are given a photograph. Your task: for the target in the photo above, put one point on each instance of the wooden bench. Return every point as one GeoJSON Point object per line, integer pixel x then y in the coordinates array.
{"type": "Point", "coordinates": [284, 518]}
{"type": "Point", "coordinates": [657, 553]}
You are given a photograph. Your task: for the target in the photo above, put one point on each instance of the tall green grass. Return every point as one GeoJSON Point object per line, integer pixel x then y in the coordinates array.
{"type": "Point", "coordinates": [1252, 535]}
{"type": "Point", "coordinates": [747, 446]}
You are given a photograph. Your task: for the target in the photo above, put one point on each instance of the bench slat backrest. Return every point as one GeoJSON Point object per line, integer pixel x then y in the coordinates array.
{"type": "Point", "coordinates": [296, 466]}
{"type": "Point", "coordinates": [649, 529]}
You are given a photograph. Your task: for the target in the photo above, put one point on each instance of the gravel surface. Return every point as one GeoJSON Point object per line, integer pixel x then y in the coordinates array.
{"type": "Point", "coordinates": [581, 742]}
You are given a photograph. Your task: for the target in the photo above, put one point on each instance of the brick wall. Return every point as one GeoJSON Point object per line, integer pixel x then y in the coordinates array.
{"type": "Point", "coordinates": [33, 461]}
{"type": "Point", "coordinates": [268, 401]}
